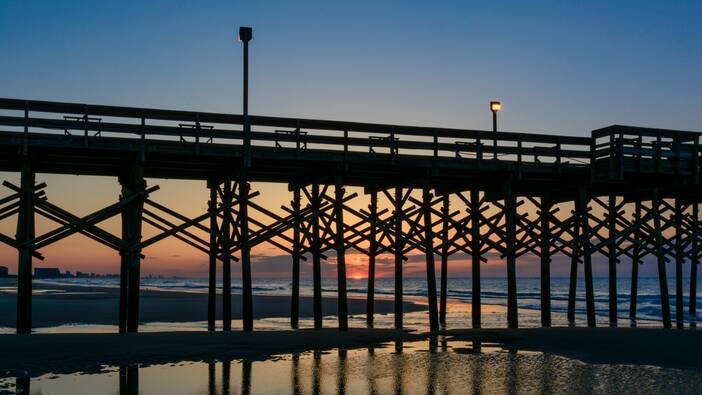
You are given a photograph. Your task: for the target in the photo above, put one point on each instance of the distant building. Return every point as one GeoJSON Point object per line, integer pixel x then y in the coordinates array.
{"type": "Point", "coordinates": [4, 272]}
{"type": "Point", "coordinates": [47, 272]}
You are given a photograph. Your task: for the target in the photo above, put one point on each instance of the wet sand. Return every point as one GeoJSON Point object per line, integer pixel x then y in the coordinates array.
{"type": "Point", "coordinates": [54, 305]}
{"type": "Point", "coordinates": [44, 353]}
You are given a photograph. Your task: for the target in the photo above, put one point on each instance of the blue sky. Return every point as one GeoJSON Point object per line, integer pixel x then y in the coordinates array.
{"type": "Point", "coordinates": [559, 67]}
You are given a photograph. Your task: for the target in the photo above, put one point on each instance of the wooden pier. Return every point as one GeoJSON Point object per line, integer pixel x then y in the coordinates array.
{"type": "Point", "coordinates": [622, 192]}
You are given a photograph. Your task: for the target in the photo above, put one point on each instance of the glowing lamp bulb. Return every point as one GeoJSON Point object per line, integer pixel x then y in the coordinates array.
{"type": "Point", "coordinates": [495, 106]}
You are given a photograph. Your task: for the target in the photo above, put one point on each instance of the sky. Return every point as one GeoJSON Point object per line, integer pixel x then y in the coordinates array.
{"type": "Point", "coordinates": [558, 67]}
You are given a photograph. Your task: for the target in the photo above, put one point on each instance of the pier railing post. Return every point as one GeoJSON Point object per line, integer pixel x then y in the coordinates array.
{"type": "Point", "coordinates": [545, 252]}
{"type": "Point", "coordinates": [476, 245]}
{"type": "Point", "coordinates": [316, 258]}
{"type": "Point", "coordinates": [429, 251]}
{"type": "Point", "coordinates": [510, 246]}
{"type": "Point", "coordinates": [25, 235]}
{"type": "Point", "coordinates": [340, 254]}
{"type": "Point", "coordinates": [295, 299]}
{"type": "Point", "coordinates": [372, 250]}
{"type": "Point", "coordinates": [132, 182]}
{"type": "Point", "coordinates": [399, 246]}
{"type": "Point", "coordinates": [213, 250]}
{"type": "Point", "coordinates": [660, 258]}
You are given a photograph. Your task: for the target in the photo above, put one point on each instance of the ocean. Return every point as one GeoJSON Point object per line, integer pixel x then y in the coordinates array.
{"type": "Point", "coordinates": [494, 293]}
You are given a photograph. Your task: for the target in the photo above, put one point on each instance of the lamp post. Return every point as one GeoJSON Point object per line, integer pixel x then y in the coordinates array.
{"type": "Point", "coordinates": [245, 35]}
{"type": "Point", "coordinates": [495, 106]}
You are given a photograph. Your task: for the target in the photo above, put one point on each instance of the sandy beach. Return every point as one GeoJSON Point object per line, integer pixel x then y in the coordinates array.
{"type": "Point", "coordinates": [63, 304]}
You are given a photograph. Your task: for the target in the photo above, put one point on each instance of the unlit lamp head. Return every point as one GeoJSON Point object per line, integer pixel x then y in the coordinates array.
{"type": "Point", "coordinates": [495, 106]}
{"type": "Point", "coordinates": [245, 34]}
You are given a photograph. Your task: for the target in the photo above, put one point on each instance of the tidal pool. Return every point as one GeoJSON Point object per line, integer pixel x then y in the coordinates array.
{"type": "Point", "coordinates": [441, 366]}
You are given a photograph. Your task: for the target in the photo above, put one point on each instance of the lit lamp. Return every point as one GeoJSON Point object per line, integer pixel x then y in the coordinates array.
{"type": "Point", "coordinates": [495, 106]}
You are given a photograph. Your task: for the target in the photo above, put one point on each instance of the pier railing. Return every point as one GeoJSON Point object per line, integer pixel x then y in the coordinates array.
{"type": "Point", "coordinates": [620, 149]}
{"type": "Point", "coordinates": [200, 128]}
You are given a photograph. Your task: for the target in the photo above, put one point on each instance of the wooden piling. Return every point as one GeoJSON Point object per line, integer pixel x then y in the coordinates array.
{"type": "Point", "coordinates": [399, 246]}
{"type": "Point", "coordinates": [476, 245]}
{"type": "Point", "coordinates": [576, 247]}
{"type": "Point", "coordinates": [444, 260]}
{"type": "Point", "coordinates": [226, 245]}
{"type": "Point", "coordinates": [695, 253]}
{"type": "Point", "coordinates": [660, 258]}
{"type": "Point", "coordinates": [295, 298]}
{"type": "Point", "coordinates": [25, 236]}
{"type": "Point", "coordinates": [587, 259]}
{"type": "Point", "coordinates": [340, 254]}
{"type": "Point", "coordinates": [372, 251]}
{"type": "Point", "coordinates": [510, 247]}
{"type": "Point", "coordinates": [679, 258]}
{"type": "Point", "coordinates": [132, 182]}
{"type": "Point", "coordinates": [635, 262]}
{"type": "Point", "coordinates": [213, 250]}
{"type": "Point", "coordinates": [245, 248]}
{"type": "Point", "coordinates": [316, 259]}
{"type": "Point", "coordinates": [429, 252]}
{"type": "Point", "coordinates": [226, 377]}
{"type": "Point", "coordinates": [545, 255]}
{"type": "Point", "coordinates": [612, 258]}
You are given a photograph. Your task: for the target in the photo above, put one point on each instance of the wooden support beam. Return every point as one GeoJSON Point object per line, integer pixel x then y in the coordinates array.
{"type": "Point", "coordinates": [660, 258]}
{"type": "Point", "coordinates": [679, 258]}
{"type": "Point", "coordinates": [225, 243]}
{"type": "Point", "coordinates": [429, 252]}
{"type": "Point", "coordinates": [587, 257]}
{"type": "Point", "coordinates": [576, 247]}
{"type": "Point", "coordinates": [316, 257]}
{"type": "Point", "coordinates": [245, 250]}
{"type": "Point", "coordinates": [340, 254]}
{"type": "Point", "coordinates": [25, 235]}
{"type": "Point", "coordinates": [612, 258]}
{"type": "Point", "coordinates": [399, 246]}
{"type": "Point", "coordinates": [213, 251]}
{"type": "Point", "coordinates": [372, 251]}
{"type": "Point", "coordinates": [133, 184]}
{"type": "Point", "coordinates": [444, 259]}
{"type": "Point", "coordinates": [545, 257]}
{"type": "Point", "coordinates": [510, 239]}
{"type": "Point", "coordinates": [694, 261]}
{"type": "Point", "coordinates": [635, 262]}
{"type": "Point", "coordinates": [476, 245]}
{"type": "Point", "coordinates": [295, 299]}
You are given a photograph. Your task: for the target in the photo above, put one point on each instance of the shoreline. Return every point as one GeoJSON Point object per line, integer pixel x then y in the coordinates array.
{"type": "Point", "coordinates": [94, 308]}
{"type": "Point", "coordinates": [88, 304]}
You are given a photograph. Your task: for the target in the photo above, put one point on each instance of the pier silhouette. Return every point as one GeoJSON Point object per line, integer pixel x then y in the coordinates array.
{"type": "Point", "coordinates": [623, 192]}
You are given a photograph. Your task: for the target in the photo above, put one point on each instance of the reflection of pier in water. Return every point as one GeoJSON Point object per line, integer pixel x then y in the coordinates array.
{"type": "Point", "coordinates": [625, 193]}
{"type": "Point", "coordinates": [438, 366]}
